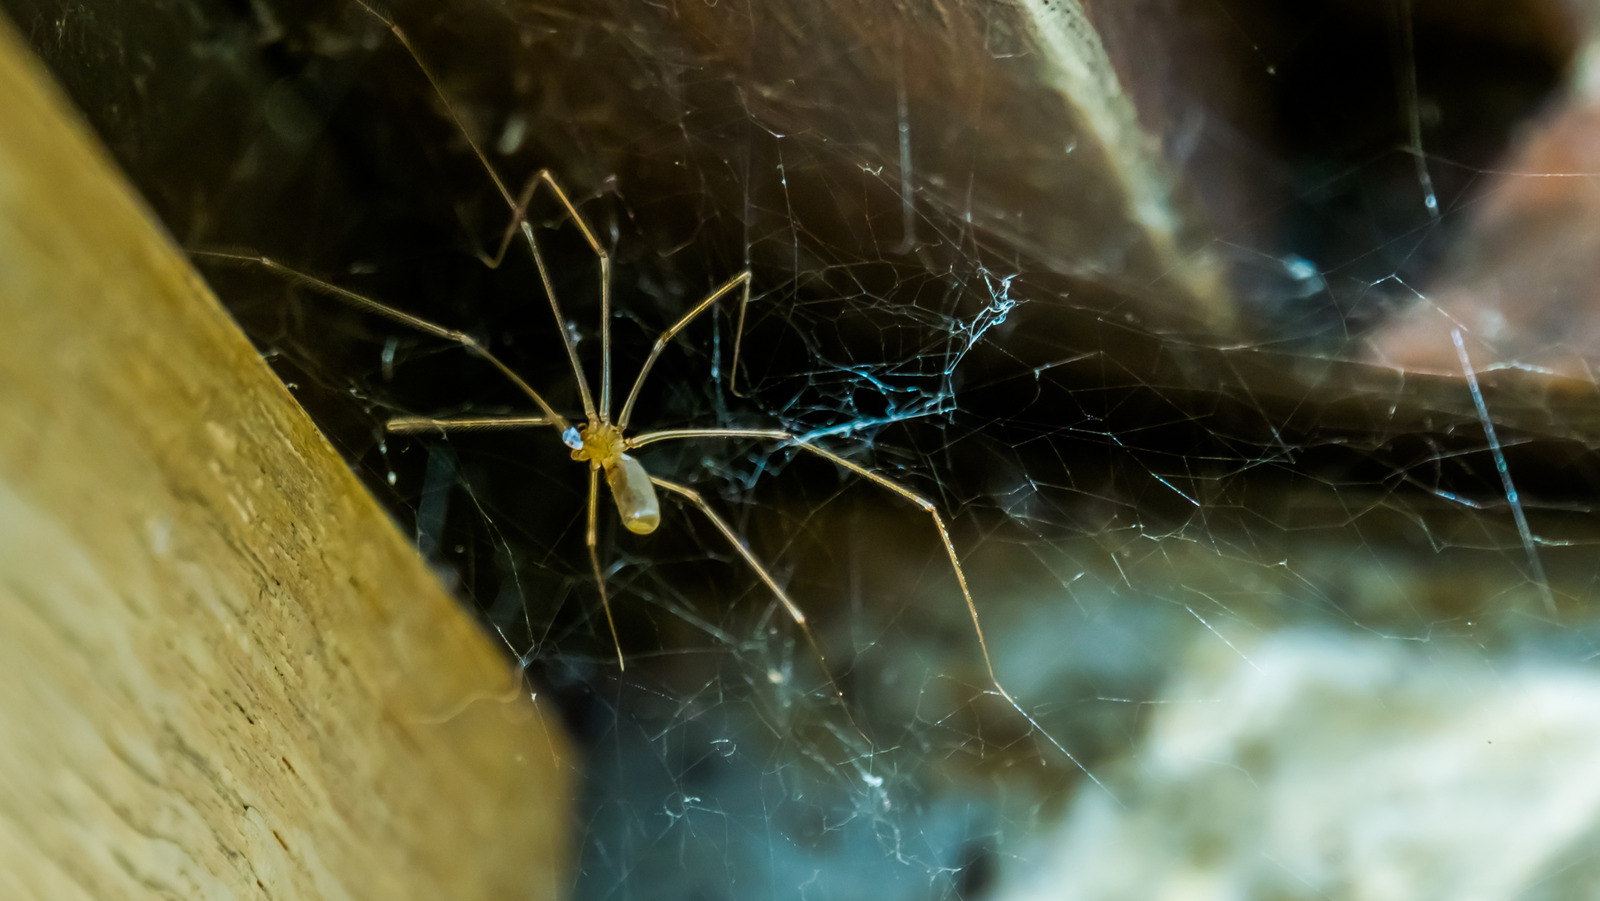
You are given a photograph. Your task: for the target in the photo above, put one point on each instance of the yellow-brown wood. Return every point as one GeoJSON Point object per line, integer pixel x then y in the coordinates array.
{"type": "Point", "coordinates": [223, 674]}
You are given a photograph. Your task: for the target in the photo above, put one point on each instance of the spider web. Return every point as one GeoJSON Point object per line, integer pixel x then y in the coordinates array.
{"type": "Point", "coordinates": [1190, 536]}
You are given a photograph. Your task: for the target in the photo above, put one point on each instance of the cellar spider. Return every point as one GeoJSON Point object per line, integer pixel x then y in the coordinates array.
{"type": "Point", "coordinates": [599, 440]}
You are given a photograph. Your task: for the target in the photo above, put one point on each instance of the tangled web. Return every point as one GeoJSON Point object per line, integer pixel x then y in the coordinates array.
{"type": "Point", "coordinates": [1281, 412]}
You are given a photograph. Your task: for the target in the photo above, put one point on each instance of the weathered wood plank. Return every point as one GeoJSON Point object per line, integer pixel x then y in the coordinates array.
{"type": "Point", "coordinates": [222, 672]}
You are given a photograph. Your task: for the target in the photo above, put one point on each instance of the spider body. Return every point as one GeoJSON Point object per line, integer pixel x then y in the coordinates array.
{"type": "Point", "coordinates": [602, 444]}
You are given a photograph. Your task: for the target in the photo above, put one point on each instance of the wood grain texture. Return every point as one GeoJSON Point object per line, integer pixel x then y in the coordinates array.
{"type": "Point", "coordinates": [223, 674]}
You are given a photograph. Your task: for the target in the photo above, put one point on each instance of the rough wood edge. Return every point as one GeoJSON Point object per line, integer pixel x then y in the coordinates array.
{"type": "Point", "coordinates": [222, 671]}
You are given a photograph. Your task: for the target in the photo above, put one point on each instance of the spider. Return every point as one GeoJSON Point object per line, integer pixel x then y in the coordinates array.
{"type": "Point", "coordinates": [602, 441]}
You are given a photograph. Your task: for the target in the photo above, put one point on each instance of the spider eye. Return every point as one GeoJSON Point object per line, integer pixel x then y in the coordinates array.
{"type": "Point", "coordinates": [571, 438]}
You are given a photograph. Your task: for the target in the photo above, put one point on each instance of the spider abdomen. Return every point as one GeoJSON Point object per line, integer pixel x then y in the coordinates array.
{"type": "Point", "coordinates": [635, 496]}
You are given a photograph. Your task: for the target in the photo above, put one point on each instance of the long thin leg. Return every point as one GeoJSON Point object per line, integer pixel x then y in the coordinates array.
{"type": "Point", "coordinates": [368, 305]}
{"type": "Point", "coordinates": [519, 206]}
{"type": "Point", "coordinates": [799, 617]}
{"type": "Point", "coordinates": [738, 342]}
{"type": "Point", "coordinates": [643, 438]}
{"type": "Point", "coordinates": [738, 545]}
{"type": "Point", "coordinates": [883, 482]}
{"type": "Point", "coordinates": [520, 220]}
{"type": "Point", "coordinates": [410, 425]}
{"type": "Point", "coordinates": [594, 560]}
{"type": "Point", "coordinates": [742, 279]}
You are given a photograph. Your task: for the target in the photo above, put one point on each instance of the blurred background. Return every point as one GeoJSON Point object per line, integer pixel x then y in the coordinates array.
{"type": "Point", "coordinates": [1246, 348]}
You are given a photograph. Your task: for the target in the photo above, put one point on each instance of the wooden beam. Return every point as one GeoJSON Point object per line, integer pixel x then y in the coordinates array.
{"type": "Point", "coordinates": [223, 673]}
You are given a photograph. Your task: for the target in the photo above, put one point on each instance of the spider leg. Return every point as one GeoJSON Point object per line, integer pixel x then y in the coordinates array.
{"type": "Point", "coordinates": [727, 531]}
{"type": "Point", "coordinates": [368, 305]}
{"type": "Point", "coordinates": [594, 560]}
{"type": "Point", "coordinates": [640, 440]}
{"type": "Point", "coordinates": [879, 480]}
{"type": "Point", "coordinates": [519, 220]}
{"type": "Point", "coordinates": [799, 617]}
{"type": "Point", "coordinates": [410, 425]}
{"type": "Point", "coordinates": [944, 535]}
{"type": "Point", "coordinates": [519, 211]}
{"type": "Point", "coordinates": [740, 280]}
{"type": "Point", "coordinates": [882, 482]}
